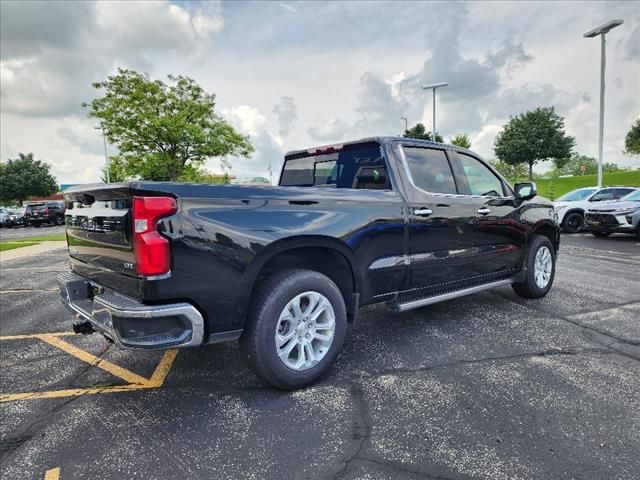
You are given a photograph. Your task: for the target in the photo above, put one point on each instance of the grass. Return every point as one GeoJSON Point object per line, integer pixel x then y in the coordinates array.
{"type": "Point", "coordinates": [46, 238]}
{"type": "Point", "coordinates": [28, 241]}
{"type": "Point", "coordinates": [552, 188]}
{"type": "Point", "coordinates": [11, 245]}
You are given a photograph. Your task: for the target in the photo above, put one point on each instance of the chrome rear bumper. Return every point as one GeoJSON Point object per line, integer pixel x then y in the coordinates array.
{"type": "Point", "coordinates": [128, 322]}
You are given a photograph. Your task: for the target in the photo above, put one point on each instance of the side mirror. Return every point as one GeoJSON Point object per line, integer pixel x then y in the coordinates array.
{"type": "Point", "coordinates": [525, 190]}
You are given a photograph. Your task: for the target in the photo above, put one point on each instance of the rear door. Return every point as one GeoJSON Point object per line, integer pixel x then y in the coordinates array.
{"type": "Point", "coordinates": [498, 233]}
{"type": "Point", "coordinates": [440, 220]}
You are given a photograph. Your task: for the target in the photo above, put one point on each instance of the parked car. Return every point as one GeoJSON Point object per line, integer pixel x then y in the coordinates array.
{"type": "Point", "coordinates": [283, 269]}
{"type": "Point", "coordinates": [572, 206]}
{"type": "Point", "coordinates": [44, 212]}
{"type": "Point", "coordinates": [622, 216]}
{"type": "Point", "coordinates": [4, 216]}
{"type": "Point", "coordinates": [16, 217]}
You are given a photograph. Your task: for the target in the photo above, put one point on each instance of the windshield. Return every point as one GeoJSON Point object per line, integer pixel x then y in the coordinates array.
{"type": "Point", "coordinates": [631, 197]}
{"type": "Point", "coordinates": [576, 195]}
{"type": "Point", "coordinates": [358, 166]}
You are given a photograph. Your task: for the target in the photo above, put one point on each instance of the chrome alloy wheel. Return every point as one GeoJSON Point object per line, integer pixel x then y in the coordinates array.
{"type": "Point", "coordinates": [542, 267]}
{"type": "Point", "coordinates": [305, 331]}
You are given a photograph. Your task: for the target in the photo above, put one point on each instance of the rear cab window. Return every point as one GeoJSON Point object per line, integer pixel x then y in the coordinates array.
{"type": "Point", "coordinates": [354, 166]}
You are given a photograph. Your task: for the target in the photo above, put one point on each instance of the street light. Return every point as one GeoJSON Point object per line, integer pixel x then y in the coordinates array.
{"type": "Point", "coordinates": [602, 31]}
{"type": "Point", "coordinates": [406, 123]}
{"type": "Point", "coordinates": [434, 87]}
{"type": "Point", "coordinates": [106, 157]}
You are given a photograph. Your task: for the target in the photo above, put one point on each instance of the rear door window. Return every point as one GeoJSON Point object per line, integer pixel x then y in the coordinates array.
{"type": "Point", "coordinates": [603, 195]}
{"type": "Point", "coordinates": [430, 170]}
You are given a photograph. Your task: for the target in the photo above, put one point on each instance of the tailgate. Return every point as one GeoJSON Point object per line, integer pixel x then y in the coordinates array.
{"type": "Point", "coordinates": [99, 227]}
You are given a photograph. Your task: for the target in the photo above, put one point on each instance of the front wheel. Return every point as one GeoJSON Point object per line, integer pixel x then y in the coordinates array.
{"type": "Point", "coordinates": [600, 233]}
{"type": "Point", "coordinates": [540, 269]}
{"type": "Point", "coordinates": [296, 328]}
{"type": "Point", "coordinates": [573, 222]}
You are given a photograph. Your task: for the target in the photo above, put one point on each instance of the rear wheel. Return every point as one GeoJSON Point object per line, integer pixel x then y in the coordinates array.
{"type": "Point", "coordinates": [59, 220]}
{"type": "Point", "coordinates": [296, 328]}
{"type": "Point", "coordinates": [540, 269]}
{"type": "Point", "coordinates": [600, 233]}
{"type": "Point", "coordinates": [573, 222]}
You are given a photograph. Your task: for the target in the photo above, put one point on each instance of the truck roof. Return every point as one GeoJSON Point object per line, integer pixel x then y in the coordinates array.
{"type": "Point", "coordinates": [380, 139]}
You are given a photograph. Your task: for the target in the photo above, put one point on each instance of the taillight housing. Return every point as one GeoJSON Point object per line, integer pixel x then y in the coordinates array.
{"type": "Point", "coordinates": [151, 250]}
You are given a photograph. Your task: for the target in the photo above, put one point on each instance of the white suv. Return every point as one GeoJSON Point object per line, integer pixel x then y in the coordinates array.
{"type": "Point", "coordinates": [572, 206]}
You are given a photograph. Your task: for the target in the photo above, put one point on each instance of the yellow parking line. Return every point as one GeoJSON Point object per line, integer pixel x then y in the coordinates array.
{"type": "Point", "coordinates": [74, 392]}
{"type": "Point", "coordinates": [162, 370]}
{"type": "Point", "coordinates": [52, 474]}
{"type": "Point", "coordinates": [135, 381]}
{"type": "Point", "coordinates": [105, 365]}
{"type": "Point", "coordinates": [37, 335]}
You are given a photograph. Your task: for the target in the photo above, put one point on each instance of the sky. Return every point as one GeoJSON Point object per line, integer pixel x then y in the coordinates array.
{"type": "Point", "coordinates": [294, 75]}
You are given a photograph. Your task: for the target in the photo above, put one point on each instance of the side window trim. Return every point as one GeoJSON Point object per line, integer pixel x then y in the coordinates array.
{"type": "Point", "coordinates": [407, 170]}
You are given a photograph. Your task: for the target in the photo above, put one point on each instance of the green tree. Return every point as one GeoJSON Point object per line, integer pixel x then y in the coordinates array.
{"type": "Point", "coordinates": [419, 131]}
{"type": "Point", "coordinates": [532, 137]}
{"type": "Point", "coordinates": [25, 177]}
{"type": "Point", "coordinates": [199, 175]}
{"type": "Point", "coordinates": [117, 170]}
{"type": "Point", "coordinates": [632, 140]}
{"type": "Point", "coordinates": [461, 140]}
{"type": "Point", "coordinates": [161, 128]}
{"type": "Point", "coordinates": [512, 172]}
{"type": "Point", "coordinates": [583, 165]}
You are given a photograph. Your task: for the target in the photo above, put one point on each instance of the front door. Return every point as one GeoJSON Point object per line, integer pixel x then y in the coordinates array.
{"type": "Point", "coordinates": [441, 250]}
{"type": "Point", "coordinates": [499, 235]}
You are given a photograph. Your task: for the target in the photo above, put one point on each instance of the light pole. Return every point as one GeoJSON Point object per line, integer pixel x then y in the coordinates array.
{"type": "Point", "coordinates": [602, 31]}
{"type": "Point", "coordinates": [434, 87]}
{"type": "Point", "coordinates": [106, 157]}
{"type": "Point", "coordinates": [406, 123]}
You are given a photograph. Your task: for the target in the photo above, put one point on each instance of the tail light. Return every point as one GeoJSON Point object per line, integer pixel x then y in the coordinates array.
{"type": "Point", "coordinates": [46, 211]}
{"type": "Point", "coordinates": [151, 250]}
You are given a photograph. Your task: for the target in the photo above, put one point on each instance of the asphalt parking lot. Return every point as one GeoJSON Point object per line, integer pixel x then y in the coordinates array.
{"type": "Point", "coordinates": [489, 386]}
{"type": "Point", "coordinates": [26, 232]}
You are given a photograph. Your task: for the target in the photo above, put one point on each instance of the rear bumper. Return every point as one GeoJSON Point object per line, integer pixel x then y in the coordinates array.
{"type": "Point", "coordinates": [128, 322]}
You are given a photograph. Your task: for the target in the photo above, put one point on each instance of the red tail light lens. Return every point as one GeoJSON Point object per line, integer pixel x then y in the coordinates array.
{"type": "Point", "coordinates": [151, 250]}
{"type": "Point", "coordinates": [45, 212]}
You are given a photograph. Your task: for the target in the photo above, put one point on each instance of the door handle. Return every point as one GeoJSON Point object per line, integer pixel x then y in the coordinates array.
{"type": "Point", "coordinates": [484, 211]}
{"type": "Point", "coordinates": [422, 212]}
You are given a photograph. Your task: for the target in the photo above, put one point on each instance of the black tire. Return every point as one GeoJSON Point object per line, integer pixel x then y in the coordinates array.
{"type": "Point", "coordinates": [258, 340]}
{"type": "Point", "coordinates": [529, 288]}
{"type": "Point", "coordinates": [573, 222]}
{"type": "Point", "coordinates": [59, 221]}
{"type": "Point", "coordinates": [600, 233]}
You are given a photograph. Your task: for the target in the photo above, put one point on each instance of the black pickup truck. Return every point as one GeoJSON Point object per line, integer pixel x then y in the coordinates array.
{"type": "Point", "coordinates": [284, 269]}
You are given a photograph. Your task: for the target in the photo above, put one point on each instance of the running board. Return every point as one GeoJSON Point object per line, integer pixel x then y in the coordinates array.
{"type": "Point", "coordinates": [421, 302]}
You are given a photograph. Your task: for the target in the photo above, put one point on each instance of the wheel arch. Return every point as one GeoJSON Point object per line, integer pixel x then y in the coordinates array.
{"type": "Point", "coordinates": [548, 229]}
{"type": "Point", "coordinates": [326, 255]}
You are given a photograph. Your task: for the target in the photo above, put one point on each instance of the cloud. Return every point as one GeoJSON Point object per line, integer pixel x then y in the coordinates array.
{"type": "Point", "coordinates": [288, 7]}
{"type": "Point", "coordinates": [286, 114]}
{"type": "Point", "coordinates": [331, 130]}
{"type": "Point", "coordinates": [53, 51]}
{"type": "Point", "coordinates": [632, 46]}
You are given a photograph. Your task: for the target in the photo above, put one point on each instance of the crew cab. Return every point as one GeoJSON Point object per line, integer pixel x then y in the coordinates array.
{"type": "Point", "coordinates": [284, 269]}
